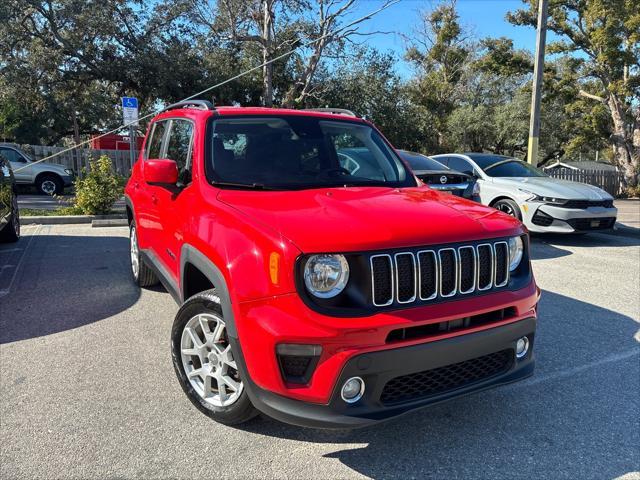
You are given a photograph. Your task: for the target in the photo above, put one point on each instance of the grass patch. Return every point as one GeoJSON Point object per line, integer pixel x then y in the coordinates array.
{"type": "Point", "coordinates": [39, 212]}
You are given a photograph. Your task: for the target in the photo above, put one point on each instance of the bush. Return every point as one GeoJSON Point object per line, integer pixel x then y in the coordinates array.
{"type": "Point", "coordinates": [99, 188]}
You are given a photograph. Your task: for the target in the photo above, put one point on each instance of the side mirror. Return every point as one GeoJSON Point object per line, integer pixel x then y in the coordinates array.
{"type": "Point", "coordinates": [161, 171]}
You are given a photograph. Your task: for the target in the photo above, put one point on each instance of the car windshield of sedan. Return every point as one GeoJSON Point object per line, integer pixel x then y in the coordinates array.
{"type": "Point", "coordinates": [513, 168]}
{"type": "Point", "coordinates": [293, 152]}
{"type": "Point", "coordinates": [419, 162]}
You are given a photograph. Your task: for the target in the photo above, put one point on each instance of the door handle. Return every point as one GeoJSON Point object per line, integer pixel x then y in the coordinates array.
{"type": "Point", "coordinates": [154, 199]}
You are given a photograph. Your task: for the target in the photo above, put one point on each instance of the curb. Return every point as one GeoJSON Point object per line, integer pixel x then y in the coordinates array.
{"type": "Point", "coordinates": [110, 222]}
{"type": "Point", "coordinates": [68, 219]}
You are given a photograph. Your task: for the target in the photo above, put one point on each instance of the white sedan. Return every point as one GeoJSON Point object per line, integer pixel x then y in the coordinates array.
{"type": "Point", "coordinates": [544, 204]}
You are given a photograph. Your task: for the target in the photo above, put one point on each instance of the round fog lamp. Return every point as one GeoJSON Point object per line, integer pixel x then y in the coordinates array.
{"type": "Point", "coordinates": [352, 390]}
{"type": "Point", "coordinates": [522, 347]}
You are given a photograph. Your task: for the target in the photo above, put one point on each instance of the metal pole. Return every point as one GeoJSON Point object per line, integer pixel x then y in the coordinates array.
{"type": "Point", "coordinates": [132, 145]}
{"type": "Point", "coordinates": [534, 123]}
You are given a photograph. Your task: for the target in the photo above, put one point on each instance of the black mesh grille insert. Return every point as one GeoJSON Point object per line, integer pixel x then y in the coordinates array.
{"type": "Point", "coordinates": [405, 270]}
{"type": "Point", "coordinates": [444, 379]}
{"type": "Point", "coordinates": [485, 260]}
{"type": "Point", "coordinates": [382, 280]}
{"type": "Point", "coordinates": [502, 261]}
{"type": "Point", "coordinates": [428, 275]}
{"type": "Point", "coordinates": [467, 269]}
{"type": "Point", "coordinates": [592, 223]}
{"type": "Point", "coordinates": [448, 274]}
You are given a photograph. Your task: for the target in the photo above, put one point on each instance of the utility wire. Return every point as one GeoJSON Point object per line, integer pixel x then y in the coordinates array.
{"type": "Point", "coordinates": [231, 79]}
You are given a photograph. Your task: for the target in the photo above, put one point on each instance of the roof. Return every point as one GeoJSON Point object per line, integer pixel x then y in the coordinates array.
{"type": "Point", "coordinates": [232, 110]}
{"type": "Point", "coordinates": [587, 165]}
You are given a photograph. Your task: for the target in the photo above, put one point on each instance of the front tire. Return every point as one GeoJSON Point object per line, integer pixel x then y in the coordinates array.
{"type": "Point", "coordinates": [204, 361]}
{"type": "Point", "coordinates": [508, 206]}
{"type": "Point", "coordinates": [11, 231]}
{"type": "Point", "coordinates": [142, 275]}
{"type": "Point", "coordinates": [50, 185]}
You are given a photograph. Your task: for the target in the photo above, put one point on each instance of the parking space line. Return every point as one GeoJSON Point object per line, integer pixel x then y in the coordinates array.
{"type": "Point", "coordinates": [575, 370]}
{"type": "Point", "coordinates": [7, 290]}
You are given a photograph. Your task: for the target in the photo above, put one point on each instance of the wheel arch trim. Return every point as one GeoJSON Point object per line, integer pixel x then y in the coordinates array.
{"type": "Point", "coordinates": [190, 254]}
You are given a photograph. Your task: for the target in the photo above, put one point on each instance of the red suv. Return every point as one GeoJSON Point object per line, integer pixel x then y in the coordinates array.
{"type": "Point", "coordinates": [320, 282]}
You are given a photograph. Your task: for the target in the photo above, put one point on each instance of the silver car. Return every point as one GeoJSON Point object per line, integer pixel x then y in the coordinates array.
{"type": "Point", "coordinates": [48, 178]}
{"type": "Point", "coordinates": [544, 204]}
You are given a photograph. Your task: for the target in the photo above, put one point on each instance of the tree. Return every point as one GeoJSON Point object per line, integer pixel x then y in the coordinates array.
{"type": "Point", "coordinates": [606, 34]}
{"type": "Point", "coordinates": [440, 51]}
{"type": "Point", "coordinates": [365, 81]}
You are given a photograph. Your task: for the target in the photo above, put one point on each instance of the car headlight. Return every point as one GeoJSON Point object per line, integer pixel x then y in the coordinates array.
{"type": "Point", "coordinates": [68, 171]}
{"type": "Point", "coordinates": [539, 198]}
{"type": "Point", "coordinates": [325, 276]}
{"type": "Point", "coordinates": [516, 251]}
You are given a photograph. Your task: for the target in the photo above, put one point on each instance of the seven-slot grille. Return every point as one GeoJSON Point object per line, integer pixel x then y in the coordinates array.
{"type": "Point", "coordinates": [445, 272]}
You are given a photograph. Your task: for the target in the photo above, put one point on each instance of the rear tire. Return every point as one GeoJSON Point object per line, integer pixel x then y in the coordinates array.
{"type": "Point", "coordinates": [203, 360]}
{"type": "Point", "coordinates": [11, 231]}
{"type": "Point", "coordinates": [142, 275]}
{"type": "Point", "coordinates": [50, 185]}
{"type": "Point", "coordinates": [508, 206]}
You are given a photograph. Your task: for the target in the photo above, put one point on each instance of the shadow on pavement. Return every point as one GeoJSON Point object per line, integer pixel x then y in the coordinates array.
{"type": "Point", "coordinates": [549, 245]}
{"type": "Point", "coordinates": [572, 419]}
{"type": "Point", "coordinates": [63, 282]}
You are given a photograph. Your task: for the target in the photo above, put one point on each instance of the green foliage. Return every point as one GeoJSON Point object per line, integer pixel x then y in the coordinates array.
{"type": "Point", "coordinates": [99, 188]}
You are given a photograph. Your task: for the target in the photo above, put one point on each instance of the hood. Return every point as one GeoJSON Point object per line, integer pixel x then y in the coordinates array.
{"type": "Point", "coordinates": [52, 167]}
{"type": "Point", "coordinates": [373, 218]}
{"type": "Point", "coordinates": [554, 187]}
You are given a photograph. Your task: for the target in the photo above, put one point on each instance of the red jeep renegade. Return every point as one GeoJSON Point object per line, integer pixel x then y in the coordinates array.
{"type": "Point", "coordinates": [320, 283]}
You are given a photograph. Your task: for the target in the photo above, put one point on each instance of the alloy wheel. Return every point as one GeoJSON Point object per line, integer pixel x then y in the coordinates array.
{"type": "Point", "coordinates": [208, 362]}
{"type": "Point", "coordinates": [48, 187]}
{"type": "Point", "coordinates": [135, 258]}
{"type": "Point", "coordinates": [506, 208]}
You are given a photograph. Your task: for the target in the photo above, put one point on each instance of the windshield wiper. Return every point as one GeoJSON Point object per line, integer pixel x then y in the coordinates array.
{"type": "Point", "coordinates": [245, 186]}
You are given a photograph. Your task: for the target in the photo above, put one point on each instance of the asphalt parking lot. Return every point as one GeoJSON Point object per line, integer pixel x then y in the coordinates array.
{"type": "Point", "coordinates": [87, 388]}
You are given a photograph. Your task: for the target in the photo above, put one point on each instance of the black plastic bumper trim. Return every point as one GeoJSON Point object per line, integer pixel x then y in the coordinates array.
{"type": "Point", "coordinates": [377, 368]}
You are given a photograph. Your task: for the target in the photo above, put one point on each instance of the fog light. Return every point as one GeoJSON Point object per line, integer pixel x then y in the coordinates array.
{"type": "Point", "coordinates": [522, 347]}
{"type": "Point", "coordinates": [352, 390]}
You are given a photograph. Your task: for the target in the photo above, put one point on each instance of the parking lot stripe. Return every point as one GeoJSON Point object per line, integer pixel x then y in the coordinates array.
{"type": "Point", "coordinates": [7, 290]}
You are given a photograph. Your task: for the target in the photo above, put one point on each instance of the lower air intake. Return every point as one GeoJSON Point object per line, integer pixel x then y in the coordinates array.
{"type": "Point", "coordinates": [445, 379]}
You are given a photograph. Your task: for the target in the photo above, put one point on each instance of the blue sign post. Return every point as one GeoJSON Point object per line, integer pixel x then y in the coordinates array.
{"type": "Point", "coordinates": [130, 118]}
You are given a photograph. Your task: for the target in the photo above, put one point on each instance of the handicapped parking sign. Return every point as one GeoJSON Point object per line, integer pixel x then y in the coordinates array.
{"type": "Point", "coordinates": [130, 110]}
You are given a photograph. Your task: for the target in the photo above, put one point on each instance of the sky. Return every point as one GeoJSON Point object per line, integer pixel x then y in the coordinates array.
{"type": "Point", "coordinates": [483, 18]}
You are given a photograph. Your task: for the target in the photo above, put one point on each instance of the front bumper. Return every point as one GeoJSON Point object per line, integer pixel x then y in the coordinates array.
{"type": "Point", "coordinates": [379, 367]}
{"type": "Point", "coordinates": [552, 219]}
{"type": "Point", "coordinates": [67, 180]}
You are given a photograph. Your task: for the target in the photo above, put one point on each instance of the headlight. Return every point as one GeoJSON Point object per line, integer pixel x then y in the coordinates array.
{"type": "Point", "coordinates": [68, 171]}
{"type": "Point", "coordinates": [516, 250]}
{"type": "Point", "coordinates": [325, 276]}
{"type": "Point", "coordinates": [538, 198]}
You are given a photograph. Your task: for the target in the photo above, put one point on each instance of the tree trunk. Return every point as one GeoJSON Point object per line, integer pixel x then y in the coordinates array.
{"type": "Point", "coordinates": [267, 49]}
{"type": "Point", "coordinates": [626, 154]}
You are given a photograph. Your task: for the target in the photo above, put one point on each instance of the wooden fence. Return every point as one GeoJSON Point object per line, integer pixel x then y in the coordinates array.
{"type": "Point", "coordinates": [610, 182]}
{"type": "Point", "coordinates": [79, 158]}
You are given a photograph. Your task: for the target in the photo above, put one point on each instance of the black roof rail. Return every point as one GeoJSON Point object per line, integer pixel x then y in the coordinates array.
{"type": "Point", "coordinates": [201, 104]}
{"type": "Point", "coordinates": [340, 111]}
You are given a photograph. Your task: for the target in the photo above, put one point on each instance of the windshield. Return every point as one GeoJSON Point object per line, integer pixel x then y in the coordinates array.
{"type": "Point", "coordinates": [292, 152]}
{"type": "Point", "coordinates": [421, 162]}
{"type": "Point", "coordinates": [513, 168]}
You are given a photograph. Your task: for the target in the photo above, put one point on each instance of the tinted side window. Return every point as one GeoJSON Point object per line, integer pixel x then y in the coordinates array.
{"type": "Point", "coordinates": [460, 165]}
{"type": "Point", "coordinates": [155, 143]}
{"type": "Point", "coordinates": [179, 145]}
{"type": "Point", "coordinates": [11, 155]}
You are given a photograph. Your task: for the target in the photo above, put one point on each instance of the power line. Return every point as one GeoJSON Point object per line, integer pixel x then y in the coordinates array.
{"type": "Point", "coordinates": [231, 79]}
